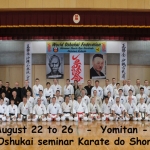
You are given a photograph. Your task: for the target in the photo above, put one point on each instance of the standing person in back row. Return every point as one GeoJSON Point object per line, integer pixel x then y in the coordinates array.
{"type": "Point", "coordinates": [98, 89]}
{"type": "Point", "coordinates": [25, 89]}
{"type": "Point", "coordinates": [56, 86]}
{"type": "Point", "coordinates": [68, 88]}
{"type": "Point", "coordinates": [36, 88]}
{"type": "Point", "coordinates": [8, 90]}
{"type": "Point", "coordinates": [89, 88]}
{"type": "Point", "coordinates": [17, 89]}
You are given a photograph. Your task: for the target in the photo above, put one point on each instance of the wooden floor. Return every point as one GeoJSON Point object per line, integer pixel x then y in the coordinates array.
{"type": "Point", "coordinates": [79, 131]}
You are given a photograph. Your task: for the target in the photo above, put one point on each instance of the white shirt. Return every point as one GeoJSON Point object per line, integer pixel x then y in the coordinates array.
{"type": "Point", "coordinates": [147, 90]}
{"type": "Point", "coordinates": [43, 100]}
{"type": "Point", "coordinates": [48, 92]}
{"type": "Point", "coordinates": [12, 109]}
{"type": "Point", "coordinates": [66, 107]}
{"type": "Point", "coordinates": [56, 87]}
{"type": "Point", "coordinates": [130, 108]}
{"type": "Point", "coordinates": [54, 109]}
{"type": "Point", "coordinates": [6, 101]}
{"type": "Point", "coordinates": [117, 108]}
{"type": "Point", "coordinates": [137, 89]}
{"type": "Point", "coordinates": [30, 100]}
{"type": "Point", "coordinates": [106, 108]}
{"type": "Point", "coordinates": [148, 109]}
{"type": "Point", "coordinates": [80, 108]}
{"type": "Point", "coordinates": [134, 99]}
{"type": "Point", "coordinates": [138, 96]}
{"type": "Point", "coordinates": [142, 107]}
{"type": "Point", "coordinates": [24, 109]}
{"type": "Point", "coordinates": [86, 100]}
{"type": "Point", "coordinates": [36, 90]}
{"type": "Point", "coordinates": [93, 108]}
{"type": "Point", "coordinates": [126, 89]}
{"type": "Point", "coordinates": [39, 109]}
{"type": "Point", "coordinates": [98, 100]}
{"type": "Point", "coordinates": [68, 90]}
{"type": "Point", "coordinates": [113, 86]}
{"type": "Point", "coordinates": [99, 91]}
{"type": "Point", "coordinates": [107, 89]}
{"type": "Point", "coordinates": [59, 100]}
{"type": "Point", "coordinates": [3, 109]}
{"type": "Point", "coordinates": [111, 101]}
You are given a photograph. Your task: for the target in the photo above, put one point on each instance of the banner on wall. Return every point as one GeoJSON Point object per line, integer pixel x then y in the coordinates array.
{"type": "Point", "coordinates": [98, 63]}
{"type": "Point", "coordinates": [28, 62]}
{"type": "Point", "coordinates": [123, 60]}
{"type": "Point", "coordinates": [77, 67]}
{"type": "Point", "coordinates": [76, 47]}
{"type": "Point", "coordinates": [54, 66]}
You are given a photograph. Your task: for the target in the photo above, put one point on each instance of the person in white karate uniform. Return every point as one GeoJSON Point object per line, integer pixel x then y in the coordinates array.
{"type": "Point", "coordinates": [116, 90]}
{"type": "Point", "coordinates": [111, 100]}
{"type": "Point", "coordinates": [148, 112]}
{"type": "Point", "coordinates": [98, 89]}
{"type": "Point", "coordinates": [56, 87]}
{"type": "Point", "coordinates": [43, 99]}
{"type": "Point", "coordinates": [68, 88]}
{"type": "Point", "coordinates": [142, 110]}
{"type": "Point", "coordinates": [113, 84]}
{"type": "Point", "coordinates": [36, 88]}
{"type": "Point", "coordinates": [72, 101]}
{"type": "Point", "coordinates": [123, 99]}
{"type": "Point", "coordinates": [24, 110]}
{"type": "Point", "coordinates": [53, 111]}
{"type": "Point", "coordinates": [30, 99]}
{"type": "Point", "coordinates": [80, 110]}
{"type": "Point", "coordinates": [108, 88]}
{"type": "Point", "coordinates": [128, 87]}
{"type": "Point", "coordinates": [48, 92]}
{"type": "Point", "coordinates": [85, 98]}
{"type": "Point", "coordinates": [134, 99]}
{"type": "Point", "coordinates": [59, 98]}
{"type": "Point", "coordinates": [141, 95]}
{"type": "Point", "coordinates": [94, 110]}
{"type": "Point", "coordinates": [11, 111]}
{"type": "Point", "coordinates": [131, 110]}
{"type": "Point", "coordinates": [98, 99]}
{"type": "Point", "coordinates": [137, 86]}
{"type": "Point", "coordinates": [3, 110]}
{"type": "Point", "coordinates": [118, 110]}
{"type": "Point", "coordinates": [39, 111]}
{"type": "Point", "coordinates": [66, 108]}
{"type": "Point", "coordinates": [6, 100]}
{"type": "Point", "coordinates": [106, 109]}
{"type": "Point", "coordinates": [146, 88]}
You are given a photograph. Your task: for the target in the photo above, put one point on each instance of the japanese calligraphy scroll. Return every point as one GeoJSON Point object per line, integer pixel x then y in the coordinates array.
{"type": "Point", "coordinates": [77, 67]}
{"type": "Point", "coordinates": [123, 60]}
{"type": "Point", "coordinates": [98, 64]}
{"type": "Point", "coordinates": [28, 62]}
{"type": "Point", "coordinates": [54, 66]}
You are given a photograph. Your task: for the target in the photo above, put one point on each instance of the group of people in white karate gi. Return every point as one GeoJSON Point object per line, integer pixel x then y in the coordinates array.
{"type": "Point", "coordinates": [113, 102]}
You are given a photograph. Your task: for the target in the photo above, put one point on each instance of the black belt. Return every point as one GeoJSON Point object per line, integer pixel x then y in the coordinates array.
{"type": "Point", "coordinates": [1, 113]}
{"type": "Point", "coordinates": [67, 112]}
{"type": "Point", "coordinates": [47, 96]}
{"type": "Point", "coordinates": [10, 114]}
{"type": "Point", "coordinates": [24, 115]}
{"type": "Point", "coordinates": [118, 114]}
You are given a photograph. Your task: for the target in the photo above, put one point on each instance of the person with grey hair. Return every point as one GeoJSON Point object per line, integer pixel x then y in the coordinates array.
{"type": "Point", "coordinates": [54, 64]}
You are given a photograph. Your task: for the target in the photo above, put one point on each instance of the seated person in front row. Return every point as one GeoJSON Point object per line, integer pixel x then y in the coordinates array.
{"type": "Point", "coordinates": [142, 110]}
{"type": "Point", "coordinates": [106, 109]}
{"type": "Point", "coordinates": [53, 111]}
{"type": "Point", "coordinates": [94, 110]}
{"type": "Point", "coordinates": [12, 111]}
{"type": "Point", "coordinates": [24, 110]}
{"type": "Point", "coordinates": [80, 110]}
{"type": "Point", "coordinates": [39, 111]}
{"type": "Point", "coordinates": [118, 110]}
{"type": "Point", "coordinates": [66, 109]}
{"type": "Point", "coordinates": [131, 110]}
{"type": "Point", "coordinates": [3, 110]}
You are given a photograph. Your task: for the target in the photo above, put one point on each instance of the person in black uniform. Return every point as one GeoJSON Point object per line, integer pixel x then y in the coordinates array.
{"type": "Point", "coordinates": [25, 89]}
{"type": "Point", "coordinates": [88, 88]}
{"type": "Point", "coordinates": [2, 88]}
{"type": "Point", "coordinates": [54, 64]}
{"type": "Point", "coordinates": [16, 98]}
{"type": "Point", "coordinates": [8, 90]}
{"type": "Point", "coordinates": [75, 86]}
{"type": "Point", "coordinates": [17, 89]}
{"type": "Point", "coordinates": [98, 63]}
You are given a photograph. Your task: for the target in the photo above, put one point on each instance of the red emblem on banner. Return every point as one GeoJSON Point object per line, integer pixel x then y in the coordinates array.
{"type": "Point", "coordinates": [76, 68]}
{"type": "Point", "coordinates": [49, 47]}
{"type": "Point", "coordinates": [76, 18]}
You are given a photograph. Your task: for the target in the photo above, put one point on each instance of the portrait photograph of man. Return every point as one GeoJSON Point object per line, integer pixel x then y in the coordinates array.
{"type": "Point", "coordinates": [54, 66]}
{"type": "Point", "coordinates": [98, 66]}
